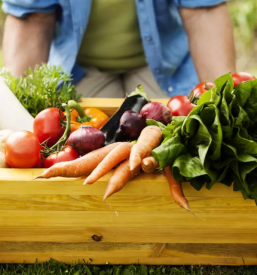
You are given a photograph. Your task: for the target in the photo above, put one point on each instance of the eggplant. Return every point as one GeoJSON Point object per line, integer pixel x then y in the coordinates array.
{"type": "Point", "coordinates": [134, 102]}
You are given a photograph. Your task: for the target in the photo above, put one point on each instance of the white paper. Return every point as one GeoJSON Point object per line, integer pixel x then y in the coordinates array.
{"type": "Point", "coordinates": [13, 115]}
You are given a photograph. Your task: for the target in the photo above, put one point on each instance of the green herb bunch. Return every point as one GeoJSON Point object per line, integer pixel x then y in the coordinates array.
{"type": "Point", "coordinates": [217, 141]}
{"type": "Point", "coordinates": [44, 87]}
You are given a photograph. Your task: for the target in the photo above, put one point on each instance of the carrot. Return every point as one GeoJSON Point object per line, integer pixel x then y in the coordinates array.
{"type": "Point", "coordinates": [117, 155]}
{"type": "Point", "coordinates": [176, 190]}
{"type": "Point", "coordinates": [149, 164]}
{"type": "Point", "coordinates": [149, 138]}
{"type": "Point", "coordinates": [120, 177]}
{"type": "Point", "coordinates": [81, 166]}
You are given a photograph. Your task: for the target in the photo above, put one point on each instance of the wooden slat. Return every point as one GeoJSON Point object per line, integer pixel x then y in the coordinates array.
{"type": "Point", "coordinates": [71, 258]}
{"type": "Point", "coordinates": [15, 181]}
{"type": "Point", "coordinates": [123, 203]}
{"type": "Point", "coordinates": [151, 250]}
{"type": "Point", "coordinates": [70, 233]}
{"type": "Point", "coordinates": [156, 220]}
{"type": "Point", "coordinates": [104, 252]}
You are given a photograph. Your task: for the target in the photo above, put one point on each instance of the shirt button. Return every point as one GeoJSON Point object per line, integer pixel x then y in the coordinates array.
{"type": "Point", "coordinates": [157, 71]}
{"type": "Point", "coordinates": [170, 89]}
{"type": "Point", "coordinates": [148, 38]}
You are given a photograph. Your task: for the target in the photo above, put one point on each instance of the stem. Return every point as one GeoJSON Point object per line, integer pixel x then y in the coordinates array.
{"type": "Point", "coordinates": [140, 91]}
{"type": "Point", "coordinates": [60, 142]}
{"type": "Point", "coordinates": [82, 116]}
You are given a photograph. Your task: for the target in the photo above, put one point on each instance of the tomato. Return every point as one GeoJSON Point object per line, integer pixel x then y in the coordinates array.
{"type": "Point", "coordinates": [68, 153]}
{"type": "Point", "coordinates": [180, 105]}
{"type": "Point", "coordinates": [200, 89]}
{"type": "Point", "coordinates": [240, 77]}
{"type": "Point", "coordinates": [41, 162]}
{"type": "Point", "coordinates": [22, 150]}
{"type": "Point", "coordinates": [47, 125]}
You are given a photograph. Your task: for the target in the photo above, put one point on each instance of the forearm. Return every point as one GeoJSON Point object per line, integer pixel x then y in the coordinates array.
{"type": "Point", "coordinates": [27, 41]}
{"type": "Point", "coordinates": [211, 41]}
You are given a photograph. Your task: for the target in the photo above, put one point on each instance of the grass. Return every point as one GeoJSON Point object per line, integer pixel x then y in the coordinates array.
{"type": "Point", "coordinates": [58, 268]}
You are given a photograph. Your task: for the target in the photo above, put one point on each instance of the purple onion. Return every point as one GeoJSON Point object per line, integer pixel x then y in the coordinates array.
{"type": "Point", "coordinates": [157, 111]}
{"type": "Point", "coordinates": [132, 123]}
{"type": "Point", "coordinates": [86, 139]}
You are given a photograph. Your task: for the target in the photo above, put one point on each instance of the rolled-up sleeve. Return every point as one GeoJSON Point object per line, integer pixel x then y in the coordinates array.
{"type": "Point", "coordinates": [21, 8]}
{"type": "Point", "coordinates": [197, 3]}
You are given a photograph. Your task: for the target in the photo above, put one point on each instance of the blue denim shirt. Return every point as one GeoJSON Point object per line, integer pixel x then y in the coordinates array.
{"type": "Point", "coordinates": [164, 39]}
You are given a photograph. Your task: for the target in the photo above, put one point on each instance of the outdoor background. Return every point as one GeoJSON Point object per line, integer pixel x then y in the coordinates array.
{"type": "Point", "coordinates": [244, 16]}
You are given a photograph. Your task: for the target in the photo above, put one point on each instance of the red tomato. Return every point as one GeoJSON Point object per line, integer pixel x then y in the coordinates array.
{"type": "Point", "coordinates": [40, 164]}
{"type": "Point", "coordinates": [22, 150]}
{"type": "Point", "coordinates": [180, 105]}
{"type": "Point", "coordinates": [47, 124]}
{"type": "Point", "coordinates": [41, 161]}
{"type": "Point", "coordinates": [68, 153]}
{"type": "Point", "coordinates": [200, 89]}
{"type": "Point", "coordinates": [240, 77]}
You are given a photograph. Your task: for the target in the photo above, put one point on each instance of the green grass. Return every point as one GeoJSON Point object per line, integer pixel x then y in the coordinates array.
{"type": "Point", "coordinates": [58, 268]}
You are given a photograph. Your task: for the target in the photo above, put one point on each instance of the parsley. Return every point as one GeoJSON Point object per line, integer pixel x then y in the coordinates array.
{"type": "Point", "coordinates": [45, 86]}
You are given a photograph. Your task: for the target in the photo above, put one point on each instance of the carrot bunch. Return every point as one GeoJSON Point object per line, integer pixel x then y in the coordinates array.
{"type": "Point", "coordinates": [127, 159]}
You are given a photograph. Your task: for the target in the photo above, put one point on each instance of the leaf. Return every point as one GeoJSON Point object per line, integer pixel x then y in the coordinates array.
{"type": "Point", "coordinates": [220, 81]}
{"type": "Point", "coordinates": [156, 123]}
{"type": "Point", "coordinates": [243, 145]}
{"type": "Point", "coordinates": [167, 152]}
{"type": "Point", "coordinates": [250, 106]}
{"type": "Point", "coordinates": [243, 91]}
{"type": "Point", "coordinates": [188, 167]}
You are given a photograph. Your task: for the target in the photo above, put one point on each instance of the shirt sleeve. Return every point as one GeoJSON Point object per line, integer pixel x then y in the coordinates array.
{"type": "Point", "coordinates": [197, 3]}
{"type": "Point", "coordinates": [21, 8]}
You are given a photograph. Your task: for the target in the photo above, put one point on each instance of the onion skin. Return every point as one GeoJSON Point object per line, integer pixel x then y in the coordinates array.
{"type": "Point", "coordinates": [132, 123]}
{"type": "Point", "coordinates": [86, 139]}
{"type": "Point", "coordinates": [157, 111]}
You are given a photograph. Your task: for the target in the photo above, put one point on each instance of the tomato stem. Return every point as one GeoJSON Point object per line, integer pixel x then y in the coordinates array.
{"type": "Point", "coordinates": [64, 137]}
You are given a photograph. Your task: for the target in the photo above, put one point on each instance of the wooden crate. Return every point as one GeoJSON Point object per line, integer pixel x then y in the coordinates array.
{"type": "Point", "coordinates": [64, 220]}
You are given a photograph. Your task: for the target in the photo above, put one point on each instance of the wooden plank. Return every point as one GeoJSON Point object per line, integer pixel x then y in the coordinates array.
{"type": "Point", "coordinates": [43, 257]}
{"type": "Point", "coordinates": [156, 220]}
{"type": "Point", "coordinates": [108, 105]}
{"type": "Point", "coordinates": [15, 181]}
{"type": "Point", "coordinates": [143, 250]}
{"type": "Point", "coordinates": [165, 253]}
{"type": "Point", "coordinates": [72, 233]}
{"type": "Point", "coordinates": [123, 203]}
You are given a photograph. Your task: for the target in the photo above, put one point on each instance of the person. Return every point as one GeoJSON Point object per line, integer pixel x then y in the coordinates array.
{"type": "Point", "coordinates": [112, 46]}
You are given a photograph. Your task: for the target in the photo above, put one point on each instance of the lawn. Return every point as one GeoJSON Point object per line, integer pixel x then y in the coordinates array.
{"type": "Point", "coordinates": [57, 268]}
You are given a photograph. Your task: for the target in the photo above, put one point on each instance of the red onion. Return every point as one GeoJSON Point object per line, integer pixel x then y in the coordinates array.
{"type": "Point", "coordinates": [132, 123]}
{"type": "Point", "coordinates": [157, 111]}
{"type": "Point", "coordinates": [86, 139]}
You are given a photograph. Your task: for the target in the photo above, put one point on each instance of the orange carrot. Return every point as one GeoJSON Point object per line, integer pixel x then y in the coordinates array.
{"type": "Point", "coordinates": [176, 190]}
{"type": "Point", "coordinates": [149, 164]}
{"type": "Point", "coordinates": [79, 167]}
{"type": "Point", "coordinates": [149, 138]}
{"type": "Point", "coordinates": [117, 155]}
{"type": "Point", "coordinates": [120, 177]}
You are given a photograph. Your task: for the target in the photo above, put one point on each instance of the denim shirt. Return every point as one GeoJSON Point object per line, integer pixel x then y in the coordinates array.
{"type": "Point", "coordinates": [164, 39]}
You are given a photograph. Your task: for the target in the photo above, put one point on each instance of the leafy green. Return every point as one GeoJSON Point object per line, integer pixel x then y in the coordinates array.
{"type": "Point", "coordinates": [217, 141]}
{"type": "Point", "coordinates": [46, 86]}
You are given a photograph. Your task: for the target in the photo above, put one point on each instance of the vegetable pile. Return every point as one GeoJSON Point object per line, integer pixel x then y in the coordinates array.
{"type": "Point", "coordinates": [206, 138]}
